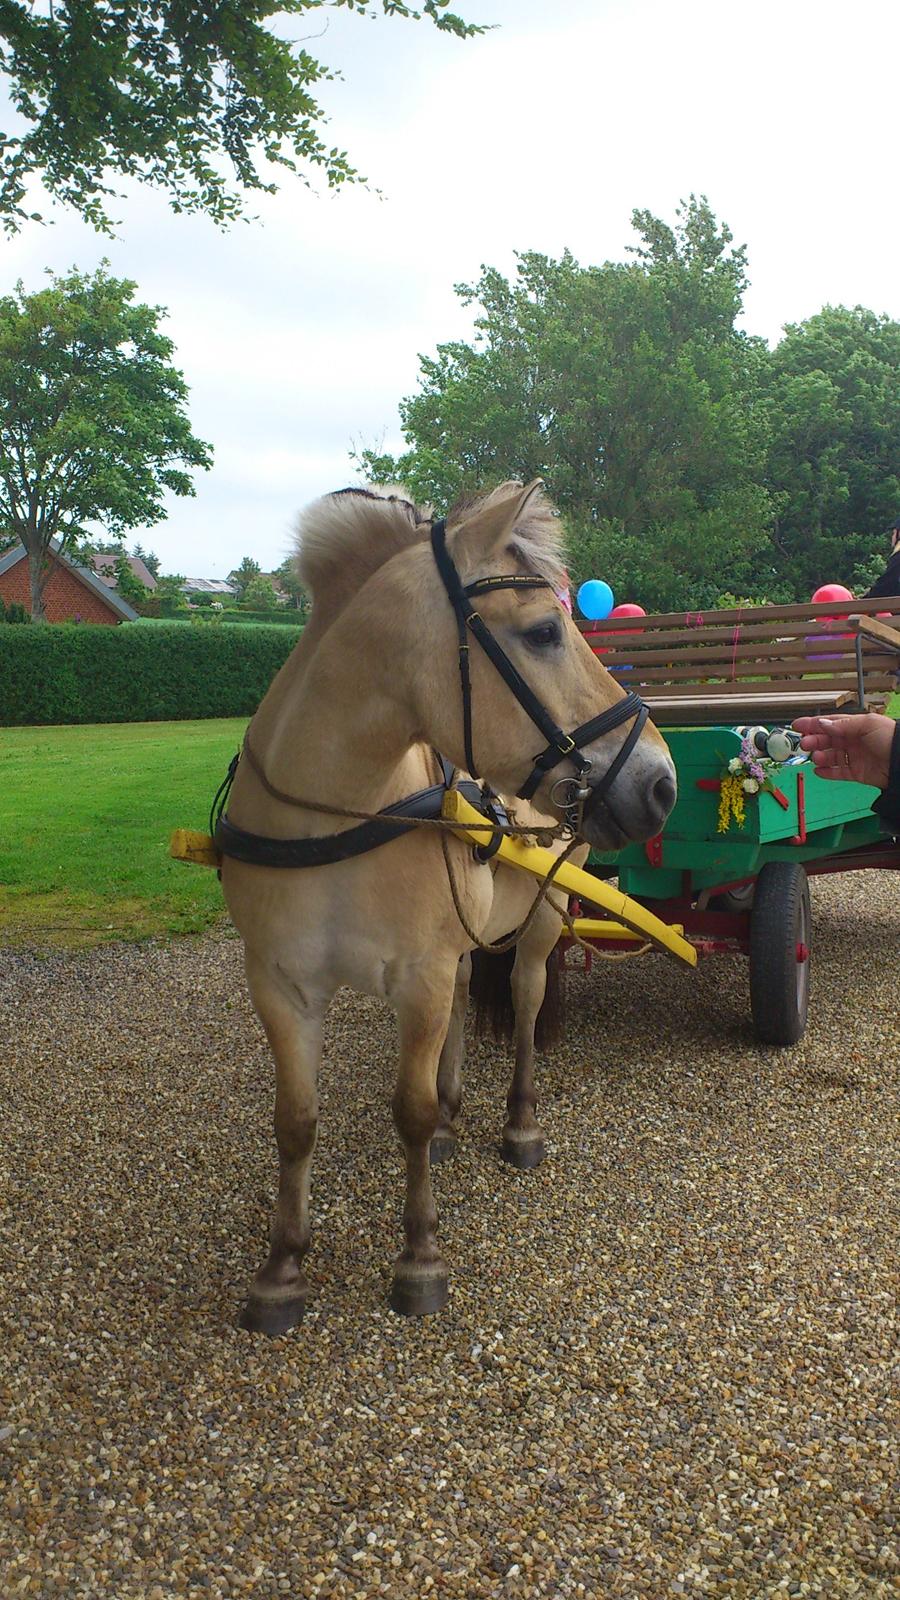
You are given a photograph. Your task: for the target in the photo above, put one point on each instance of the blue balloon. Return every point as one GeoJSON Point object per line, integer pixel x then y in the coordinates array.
{"type": "Point", "coordinates": [595, 599]}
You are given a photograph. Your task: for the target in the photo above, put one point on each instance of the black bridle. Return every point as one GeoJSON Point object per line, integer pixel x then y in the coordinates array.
{"type": "Point", "coordinates": [561, 746]}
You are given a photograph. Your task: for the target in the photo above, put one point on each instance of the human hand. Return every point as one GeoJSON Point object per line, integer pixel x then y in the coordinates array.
{"type": "Point", "coordinates": [857, 747]}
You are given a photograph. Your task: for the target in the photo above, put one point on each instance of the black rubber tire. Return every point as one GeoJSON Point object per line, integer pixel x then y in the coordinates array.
{"type": "Point", "coordinates": [779, 983]}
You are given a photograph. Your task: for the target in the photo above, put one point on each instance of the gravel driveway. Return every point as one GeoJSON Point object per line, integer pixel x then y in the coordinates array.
{"type": "Point", "coordinates": [667, 1363]}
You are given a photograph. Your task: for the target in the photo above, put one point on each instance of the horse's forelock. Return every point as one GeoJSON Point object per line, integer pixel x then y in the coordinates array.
{"type": "Point", "coordinates": [536, 541]}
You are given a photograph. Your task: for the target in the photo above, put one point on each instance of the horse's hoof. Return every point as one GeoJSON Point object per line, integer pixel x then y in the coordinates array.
{"type": "Point", "coordinates": [272, 1317]}
{"type": "Point", "coordinates": [442, 1147]}
{"type": "Point", "coordinates": [523, 1153]}
{"type": "Point", "coordinates": [419, 1297]}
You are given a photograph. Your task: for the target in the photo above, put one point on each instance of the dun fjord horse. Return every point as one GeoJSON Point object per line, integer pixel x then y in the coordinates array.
{"type": "Point", "coordinates": [423, 637]}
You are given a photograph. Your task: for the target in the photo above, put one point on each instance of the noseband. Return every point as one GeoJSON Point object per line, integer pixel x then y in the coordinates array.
{"type": "Point", "coordinates": [561, 745]}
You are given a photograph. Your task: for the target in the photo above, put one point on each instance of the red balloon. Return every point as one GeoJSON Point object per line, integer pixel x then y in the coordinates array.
{"type": "Point", "coordinates": [628, 609]}
{"type": "Point", "coordinates": [832, 591]}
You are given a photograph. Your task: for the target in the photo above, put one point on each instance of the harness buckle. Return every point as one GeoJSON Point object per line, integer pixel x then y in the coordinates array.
{"type": "Point", "coordinates": [568, 747]}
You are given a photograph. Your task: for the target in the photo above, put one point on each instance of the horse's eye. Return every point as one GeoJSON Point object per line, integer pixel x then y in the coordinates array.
{"type": "Point", "coordinates": [546, 633]}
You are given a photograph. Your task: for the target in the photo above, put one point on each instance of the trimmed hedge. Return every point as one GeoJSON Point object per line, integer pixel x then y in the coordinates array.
{"type": "Point", "coordinates": [156, 608]}
{"type": "Point", "coordinates": [288, 617]}
{"type": "Point", "coordinates": [64, 673]}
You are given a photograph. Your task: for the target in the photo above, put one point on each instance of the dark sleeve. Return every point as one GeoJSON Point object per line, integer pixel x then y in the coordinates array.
{"type": "Point", "coordinates": [888, 583]}
{"type": "Point", "coordinates": [887, 806]}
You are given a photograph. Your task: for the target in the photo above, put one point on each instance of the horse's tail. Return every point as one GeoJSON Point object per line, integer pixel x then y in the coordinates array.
{"type": "Point", "coordinates": [491, 990]}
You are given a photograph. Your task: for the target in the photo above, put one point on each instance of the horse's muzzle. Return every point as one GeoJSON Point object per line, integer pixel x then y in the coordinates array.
{"type": "Point", "coordinates": [629, 811]}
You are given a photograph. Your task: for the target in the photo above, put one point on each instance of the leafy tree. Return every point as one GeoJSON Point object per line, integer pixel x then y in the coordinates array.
{"type": "Point", "coordinates": [170, 594]}
{"type": "Point", "coordinates": [289, 580]}
{"type": "Point", "coordinates": [92, 421]}
{"type": "Point", "coordinates": [259, 595]}
{"type": "Point", "coordinates": [151, 561]}
{"type": "Point", "coordinates": [190, 98]}
{"type": "Point", "coordinates": [630, 389]}
{"type": "Point", "coordinates": [128, 583]}
{"type": "Point", "coordinates": [834, 457]}
{"type": "Point", "coordinates": [244, 574]}
{"type": "Point", "coordinates": [170, 586]}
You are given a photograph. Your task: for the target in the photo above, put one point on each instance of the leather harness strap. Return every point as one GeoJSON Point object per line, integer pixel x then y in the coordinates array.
{"type": "Point", "coordinates": [561, 745]}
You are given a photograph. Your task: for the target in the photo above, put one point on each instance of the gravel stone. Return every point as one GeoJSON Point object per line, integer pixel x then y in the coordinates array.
{"type": "Point", "coordinates": [669, 1361]}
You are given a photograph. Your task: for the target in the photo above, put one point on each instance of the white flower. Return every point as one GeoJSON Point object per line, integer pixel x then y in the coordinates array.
{"type": "Point", "coordinates": [735, 766]}
{"type": "Point", "coordinates": [750, 785]}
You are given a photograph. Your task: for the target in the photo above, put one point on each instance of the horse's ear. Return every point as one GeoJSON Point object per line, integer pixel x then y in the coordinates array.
{"type": "Point", "coordinates": [488, 527]}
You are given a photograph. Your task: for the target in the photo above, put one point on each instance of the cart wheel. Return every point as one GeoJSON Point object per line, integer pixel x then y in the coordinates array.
{"type": "Point", "coordinates": [779, 953]}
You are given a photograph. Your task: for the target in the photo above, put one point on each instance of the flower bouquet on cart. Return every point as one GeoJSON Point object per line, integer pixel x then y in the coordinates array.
{"type": "Point", "coordinates": [753, 771]}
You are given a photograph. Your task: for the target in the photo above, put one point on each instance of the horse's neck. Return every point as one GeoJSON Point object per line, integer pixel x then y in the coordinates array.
{"type": "Point", "coordinates": [328, 730]}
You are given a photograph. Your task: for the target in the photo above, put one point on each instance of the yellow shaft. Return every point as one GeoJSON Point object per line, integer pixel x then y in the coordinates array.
{"type": "Point", "coordinates": [532, 858]}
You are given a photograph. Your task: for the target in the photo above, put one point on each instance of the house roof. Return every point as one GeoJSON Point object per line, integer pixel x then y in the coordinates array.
{"type": "Point", "coordinates": [88, 578]}
{"type": "Point", "coordinates": [207, 586]}
{"type": "Point", "coordinates": [105, 562]}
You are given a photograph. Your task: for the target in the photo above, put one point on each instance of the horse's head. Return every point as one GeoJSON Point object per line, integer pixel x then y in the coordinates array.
{"type": "Point", "coordinates": [555, 682]}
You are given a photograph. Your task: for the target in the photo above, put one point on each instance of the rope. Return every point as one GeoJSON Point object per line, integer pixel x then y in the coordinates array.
{"type": "Point", "coordinates": [735, 640]}
{"type": "Point", "coordinates": [519, 933]}
{"type": "Point", "coordinates": [545, 835]}
{"type": "Point", "coordinates": [604, 955]}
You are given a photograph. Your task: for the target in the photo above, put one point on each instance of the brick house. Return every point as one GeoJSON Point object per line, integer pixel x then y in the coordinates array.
{"type": "Point", "coordinates": [71, 592]}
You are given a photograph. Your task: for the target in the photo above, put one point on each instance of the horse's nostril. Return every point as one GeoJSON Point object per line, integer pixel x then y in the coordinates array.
{"type": "Point", "coordinates": [664, 794]}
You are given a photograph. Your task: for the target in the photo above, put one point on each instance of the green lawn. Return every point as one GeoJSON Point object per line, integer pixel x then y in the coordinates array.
{"type": "Point", "coordinates": [85, 819]}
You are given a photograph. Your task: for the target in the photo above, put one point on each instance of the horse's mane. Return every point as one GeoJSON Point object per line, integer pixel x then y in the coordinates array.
{"type": "Point", "coordinates": [343, 538]}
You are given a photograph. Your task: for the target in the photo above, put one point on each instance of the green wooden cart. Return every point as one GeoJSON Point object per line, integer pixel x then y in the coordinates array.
{"type": "Point", "coordinates": [745, 890]}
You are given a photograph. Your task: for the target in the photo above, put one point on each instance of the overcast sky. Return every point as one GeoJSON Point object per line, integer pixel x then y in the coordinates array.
{"type": "Point", "coordinates": [300, 332]}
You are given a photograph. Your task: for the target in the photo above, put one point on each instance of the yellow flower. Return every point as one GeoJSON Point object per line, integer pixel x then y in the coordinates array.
{"type": "Point", "coordinates": [731, 803]}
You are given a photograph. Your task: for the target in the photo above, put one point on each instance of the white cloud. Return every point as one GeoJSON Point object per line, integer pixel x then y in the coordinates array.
{"type": "Point", "coordinates": [301, 332]}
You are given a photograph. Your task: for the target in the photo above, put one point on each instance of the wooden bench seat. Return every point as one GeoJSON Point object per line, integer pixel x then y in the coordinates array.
{"type": "Point", "coordinates": [765, 664]}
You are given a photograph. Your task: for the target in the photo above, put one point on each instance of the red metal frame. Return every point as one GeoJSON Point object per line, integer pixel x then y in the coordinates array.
{"type": "Point", "coordinates": [728, 932]}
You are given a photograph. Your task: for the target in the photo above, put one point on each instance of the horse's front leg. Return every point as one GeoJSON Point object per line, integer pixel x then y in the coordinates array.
{"type": "Point", "coordinates": [278, 1294]}
{"type": "Point", "coordinates": [420, 1274]}
{"type": "Point", "coordinates": [449, 1082]}
{"type": "Point", "coordinates": [534, 980]}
